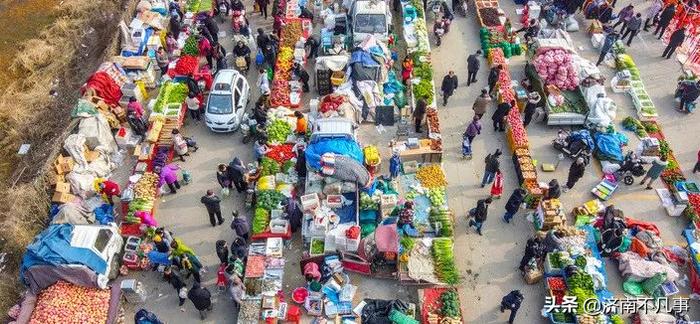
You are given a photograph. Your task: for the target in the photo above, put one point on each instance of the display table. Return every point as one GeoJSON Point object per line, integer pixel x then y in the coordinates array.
{"type": "Point", "coordinates": [421, 154]}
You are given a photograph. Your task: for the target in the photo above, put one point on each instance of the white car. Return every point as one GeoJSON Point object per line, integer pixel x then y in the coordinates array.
{"type": "Point", "coordinates": [227, 101]}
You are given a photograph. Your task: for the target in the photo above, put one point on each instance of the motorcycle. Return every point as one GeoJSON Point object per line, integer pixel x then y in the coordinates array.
{"type": "Point", "coordinates": [238, 20]}
{"type": "Point", "coordinates": [439, 31]}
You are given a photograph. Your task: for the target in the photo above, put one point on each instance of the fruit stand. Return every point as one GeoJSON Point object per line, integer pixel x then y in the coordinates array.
{"type": "Point", "coordinates": [495, 30]}
{"type": "Point", "coordinates": [282, 92]}
{"type": "Point", "coordinates": [440, 306]}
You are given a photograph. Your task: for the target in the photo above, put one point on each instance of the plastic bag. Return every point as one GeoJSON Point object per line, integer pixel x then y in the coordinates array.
{"type": "Point", "coordinates": [259, 58]}
{"type": "Point", "coordinates": [127, 194]}
{"type": "Point", "coordinates": [225, 192]}
{"type": "Point", "coordinates": [633, 288]}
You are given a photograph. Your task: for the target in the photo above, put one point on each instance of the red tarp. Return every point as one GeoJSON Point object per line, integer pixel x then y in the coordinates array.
{"type": "Point", "coordinates": [104, 87]}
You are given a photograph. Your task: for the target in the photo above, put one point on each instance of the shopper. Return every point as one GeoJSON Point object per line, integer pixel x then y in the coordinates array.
{"type": "Point", "coordinates": [473, 65]}
{"type": "Point", "coordinates": [300, 165]}
{"type": "Point", "coordinates": [222, 251]}
{"type": "Point", "coordinates": [623, 17]}
{"type": "Point", "coordinates": [479, 214]}
{"type": "Point", "coordinates": [651, 14]}
{"type": "Point", "coordinates": [109, 189]}
{"type": "Point", "coordinates": [632, 28]}
{"type": "Point", "coordinates": [168, 175]}
{"type": "Point", "coordinates": [263, 81]}
{"type": "Point", "coordinates": [657, 167]}
{"type": "Point", "coordinates": [240, 226]}
{"type": "Point", "coordinates": [690, 93]}
{"type": "Point", "coordinates": [176, 281]}
{"type": "Point", "coordinates": [263, 7]}
{"type": "Point", "coordinates": [237, 174]}
{"type": "Point", "coordinates": [185, 258]}
{"type": "Point", "coordinates": [608, 43]}
{"type": "Point", "coordinates": [406, 69]}
{"type": "Point", "coordinates": [201, 298]}
{"type": "Point", "coordinates": [492, 165]}
{"type": "Point", "coordinates": [136, 123]}
{"type": "Point", "coordinates": [175, 26]}
{"type": "Point", "coordinates": [301, 126]}
{"type": "Point", "coordinates": [676, 40]}
{"type": "Point", "coordinates": [239, 248]}
{"type": "Point", "coordinates": [481, 103]}
{"type": "Point", "coordinates": [533, 102]}
{"type": "Point", "coordinates": [553, 190]}
{"type": "Point", "coordinates": [219, 54]}
{"type": "Point", "coordinates": [512, 302]}
{"type": "Point", "coordinates": [180, 144]}
{"type": "Point", "coordinates": [294, 213]}
{"type": "Point", "coordinates": [312, 44]}
{"type": "Point", "coordinates": [161, 245]}
{"type": "Point", "coordinates": [394, 165]}
{"type": "Point", "coordinates": [696, 168]}
{"type": "Point", "coordinates": [419, 112]}
{"type": "Point", "coordinates": [533, 249]}
{"type": "Point", "coordinates": [499, 116]}
{"type": "Point", "coordinates": [193, 106]}
{"type": "Point", "coordinates": [497, 185]}
{"type": "Point", "coordinates": [576, 171]}
{"type": "Point", "coordinates": [513, 204]}
{"type": "Point", "coordinates": [531, 30]}
{"type": "Point", "coordinates": [135, 107]}
{"type": "Point", "coordinates": [493, 77]}
{"type": "Point", "coordinates": [302, 75]}
{"type": "Point", "coordinates": [237, 290]}
{"type": "Point", "coordinates": [449, 85]}
{"type": "Point", "coordinates": [213, 204]}
{"type": "Point", "coordinates": [242, 50]}
{"type": "Point", "coordinates": [473, 129]}
{"type": "Point", "coordinates": [665, 19]}
{"type": "Point", "coordinates": [205, 47]}
{"type": "Point", "coordinates": [222, 177]}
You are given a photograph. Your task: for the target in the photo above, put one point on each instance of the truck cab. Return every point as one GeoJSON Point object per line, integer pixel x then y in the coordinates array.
{"type": "Point", "coordinates": [103, 240]}
{"type": "Point", "coordinates": [370, 17]}
{"type": "Point", "coordinates": [336, 127]}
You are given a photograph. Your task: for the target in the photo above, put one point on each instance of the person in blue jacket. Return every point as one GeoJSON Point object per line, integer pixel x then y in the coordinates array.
{"type": "Point", "coordinates": [394, 165]}
{"type": "Point", "coordinates": [610, 39]}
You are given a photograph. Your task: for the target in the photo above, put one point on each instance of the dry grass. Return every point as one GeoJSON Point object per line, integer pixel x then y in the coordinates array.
{"type": "Point", "coordinates": [61, 58]}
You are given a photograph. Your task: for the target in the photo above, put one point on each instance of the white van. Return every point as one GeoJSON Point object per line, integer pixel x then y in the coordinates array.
{"type": "Point", "coordinates": [370, 17]}
{"type": "Point", "coordinates": [227, 101]}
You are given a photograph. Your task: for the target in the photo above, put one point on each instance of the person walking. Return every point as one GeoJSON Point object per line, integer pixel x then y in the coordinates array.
{"type": "Point", "coordinates": [294, 213]}
{"type": "Point", "coordinates": [473, 129]}
{"type": "Point", "coordinates": [533, 249]}
{"type": "Point", "coordinates": [533, 101]}
{"type": "Point", "coordinates": [696, 168]}
{"type": "Point", "coordinates": [240, 226]}
{"type": "Point", "coordinates": [222, 251]}
{"type": "Point", "coordinates": [665, 19]}
{"type": "Point", "coordinates": [263, 81]}
{"type": "Point", "coordinates": [623, 17]}
{"type": "Point", "coordinates": [632, 28]}
{"type": "Point", "coordinates": [479, 214]}
{"type": "Point", "coordinates": [512, 302]}
{"type": "Point", "coordinates": [493, 77]}
{"type": "Point", "coordinates": [180, 144]}
{"type": "Point", "coordinates": [449, 85]}
{"type": "Point", "coordinates": [312, 44]}
{"type": "Point", "coordinates": [237, 290]}
{"type": "Point", "coordinates": [499, 116]}
{"type": "Point", "coordinates": [201, 298]}
{"type": "Point", "coordinates": [608, 43]}
{"type": "Point", "coordinates": [497, 185]}
{"type": "Point", "coordinates": [513, 204]}
{"type": "Point", "coordinates": [213, 204]}
{"type": "Point", "coordinates": [168, 176]}
{"type": "Point", "coordinates": [657, 167]}
{"type": "Point", "coordinates": [176, 281]}
{"type": "Point", "coordinates": [473, 65]}
{"type": "Point", "coordinates": [222, 177]}
{"type": "Point", "coordinates": [418, 113]}
{"type": "Point", "coordinates": [576, 171]}
{"type": "Point", "coordinates": [237, 174]}
{"type": "Point", "coordinates": [651, 13]}
{"type": "Point", "coordinates": [492, 165]}
{"type": "Point", "coordinates": [676, 40]}
{"type": "Point", "coordinates": [193, 106]}
{"type": "Point", "coordinates": [481, 103]}
{"type": "Point", "coordinates": [263, 7]}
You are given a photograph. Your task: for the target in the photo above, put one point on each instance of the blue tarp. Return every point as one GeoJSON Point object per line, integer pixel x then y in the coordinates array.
{"type": "Point", "coordinates": [609, 146]}
{"type": "Point", "coordinates": [52, 247]}
{"type": "Point", "coordinates": [104, 214]}
{"type": "Point", "coordinates": [348, 213]}
{"type": "Point", "coordinates": [147, 34]}
{"type": "Point", "coordinates": [584, 136]}
{"type": "Point", "coordinates": [365, 58]}
{"type": "Point", "coordinates": [342, 146]}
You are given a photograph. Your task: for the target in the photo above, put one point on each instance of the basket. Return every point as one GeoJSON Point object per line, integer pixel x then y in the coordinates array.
{"type": "Point", "coordinates": [299, 295]}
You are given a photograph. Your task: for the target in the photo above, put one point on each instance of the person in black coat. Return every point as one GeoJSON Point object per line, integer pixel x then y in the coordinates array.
{"type": "Point", "coordinates": [690, 93]}
{"type": "Point", "coordinates": [236, 171]}
{"type": "Point", "coordinates": [175, 26]}
{"type": "Point", "coordinates": [473, 65]}
{"type": "Point", "coordinates": [300, 166]}
{"type": "Point", "coordinates": [480, 213]}
{"type": "Point", "coordinates": [513, 203]}
{"type": "Point", "coordinates": [499, 116]}
{"type": "Point", "coordinates": [449, 84]}
{"type": "Point", "coordinates": [665, 19]}
{"type": "Point", "coordinates": [676, 40]}
{"type": "Point", "coordinates": [212, 28]}
{"type": "Point", "coordinates": [576, 171]}
{"type": "Point", "coordinates": [222, 251]}
{"type": "Point", "coordinates": [512, 302]}
{"type": "Point", "coordinates": [176, 281]}
{"type": "Point", "coordinates": [533, 101]}
{"type": "Point", "coordinates": [493, 76]}
{"type": "Point", "coordinates": [201, 298]}
{"type": "Point", "coordinates": [554, 190]}
{"type": "Point", "coordinates": [491, 166]}
{"type": "Point", "coordinates": [419, 112]}
{"type": "Point", "coordinates": [302, 75]}
{"type": "Point", "coordinates": [213, 204]}
{"type": "Point", "coordinates": [533, 249]}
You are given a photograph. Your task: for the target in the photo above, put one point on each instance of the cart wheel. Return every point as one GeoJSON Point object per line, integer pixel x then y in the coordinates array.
{"type": "Point", "coordinates": [628, 180]}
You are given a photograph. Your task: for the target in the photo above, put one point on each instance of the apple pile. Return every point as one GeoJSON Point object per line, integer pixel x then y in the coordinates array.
{"type": "Point", "coordinates": [66, 303]}
{"type": "Point", "coordinates": [556, 66]}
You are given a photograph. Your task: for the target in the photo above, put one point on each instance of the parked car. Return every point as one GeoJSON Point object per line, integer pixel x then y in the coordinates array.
{"type": "Point", "coordinates": [227, 101]}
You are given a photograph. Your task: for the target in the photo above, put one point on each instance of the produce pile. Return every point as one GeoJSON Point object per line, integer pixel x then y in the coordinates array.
{"type": "Point", "coordinates": [556, 67]}
{"type": "Point", "coordinates": [269, 199]}
{"type": "Point", "coordinates": [443, 258]}
{"type": "Point", "coordinates": [580, 284]}
{"type": "Point", "coordinates": [269, 166]}
{"type": "Point", "coordinates": [331, 103]}
{"type": "Point", "coordinates": [66, 303]}
{"type": "Point", "coordinates": [281, 153]}
{"type": "Point", "coordinates": [170, 93]}
{"type": "Point", "coordinates": [433, 121]}
{"type": "Point", "coordinates": [444, 217]}
{"type": "Point", "coordinates": [261, 219]}
{"type": "Point", "coordinates": [489, 17]}
{"type": "Point", "coordinates": [422, 69]}
{"type": "Point", "coordinates": [635, 125]}
{"type": "Point", "coordinates": [191, 47]}
{"type": "Point", "coordinates": [642, 102]}
{"type": "Point", "coordinates": [278, 131]}
{"type": "Point", "coordinates": [437, 196]}
{"type": "Point", "coordinates": [442, 306]}
{"type": "Point", "coordinates": [371, 154]}
{"type": "Point", "coordinates": [492, 38]}
{"type": "Point", "coordinates": [280, 90]}
{"type": "Point", "coordinates": [431, 176]}
{"type": "Point", "coordinates": [186, 65]}
{"type": "Point", "coordinates": [368, 202]}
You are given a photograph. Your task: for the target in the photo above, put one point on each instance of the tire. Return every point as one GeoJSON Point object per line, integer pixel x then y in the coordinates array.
{"type": "Point", "coordinates": [246, 139]}
{"type": "Point", "coordinates": [628, 180]}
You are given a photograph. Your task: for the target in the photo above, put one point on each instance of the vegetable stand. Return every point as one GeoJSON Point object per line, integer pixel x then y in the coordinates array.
{"type": "Point", "coordinates": [645, 108]}
{"type": "Point", "coordinates": [572, 111]}
{"type": "Point", "coordinates": [262, 282]}
{"type": "Point", "coordinates": [440, 305]}
{"type": "Point", "coordinates": [694, 265]}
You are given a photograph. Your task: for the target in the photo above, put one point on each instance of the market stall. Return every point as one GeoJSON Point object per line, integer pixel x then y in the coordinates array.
{"type": "Point", "coordinates": [440, 305]}
{"type": "Point", "coordinates": [630, 78]}
{"type": "Point", "coordinates": [285, 89]}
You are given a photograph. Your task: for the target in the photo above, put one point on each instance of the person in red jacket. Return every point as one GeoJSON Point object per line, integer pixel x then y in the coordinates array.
{"type": "Point", "coordinates": [110, 189]}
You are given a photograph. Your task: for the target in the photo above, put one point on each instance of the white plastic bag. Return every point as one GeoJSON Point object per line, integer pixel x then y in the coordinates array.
{"type": "Point", "coordinates": [225, 191]}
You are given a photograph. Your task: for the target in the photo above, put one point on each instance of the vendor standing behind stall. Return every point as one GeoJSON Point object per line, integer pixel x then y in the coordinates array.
{"type": "Point", "coordinates": [419, 112]}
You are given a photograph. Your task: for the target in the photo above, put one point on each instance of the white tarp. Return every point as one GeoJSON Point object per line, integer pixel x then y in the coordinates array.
{"type": "Point", "coordinates": [75, 146]}
{"type": "Point", "coordinates": [97, 133]}
{"type": "Point", "coordinates": [73, 213]}
{"type": "Point", "coordinates": [81, 182]}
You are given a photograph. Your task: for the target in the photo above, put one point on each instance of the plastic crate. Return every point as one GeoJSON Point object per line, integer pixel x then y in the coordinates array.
{"type": "Point", "coordinates": [549, 270]}
{"type": "Point", "coordinates": [309, 201]}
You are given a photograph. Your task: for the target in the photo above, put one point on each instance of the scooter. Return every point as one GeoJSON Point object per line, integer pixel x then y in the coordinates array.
{"type": "Point", "coordinates": [237, 20]}
{"type": "Point", "coordinates": [631, 168]}
{"type": "Point", "coordinates": [439, 31]}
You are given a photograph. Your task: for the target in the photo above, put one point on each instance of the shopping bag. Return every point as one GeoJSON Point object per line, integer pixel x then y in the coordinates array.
{"type": "Point", "coordinates": [259, 58]}
{"type": "Point", "coordinates": [225, 192]}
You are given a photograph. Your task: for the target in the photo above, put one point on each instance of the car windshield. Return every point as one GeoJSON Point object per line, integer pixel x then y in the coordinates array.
{"type": "Point", "coordinates": [220, 104]}
{"type": "Point", "coordinates": [370, 23]}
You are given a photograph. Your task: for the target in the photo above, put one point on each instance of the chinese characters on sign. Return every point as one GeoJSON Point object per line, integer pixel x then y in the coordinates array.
{"type": "Point", "coordinates": [593, 306]}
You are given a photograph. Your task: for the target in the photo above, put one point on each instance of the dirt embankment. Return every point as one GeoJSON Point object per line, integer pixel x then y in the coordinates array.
{"type": "Point", "coordinates": [63, 43]}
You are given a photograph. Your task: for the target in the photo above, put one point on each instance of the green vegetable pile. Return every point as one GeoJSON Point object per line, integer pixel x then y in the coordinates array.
{"type": "Point", "coordinates": [191, 46]}
{"type": "Point", "coordinates": [170, 93]}
{"type": "Point", "coordinates": [269, 166]}
{"type": "Point", "coordinates": [437, 196]}
{"type": "Point", "coordinates": [450, 304]}
{"type": "Point", "coordinates": [422, 69]}
{"type": "Point", "coordinates": [367, 202]}
{"type": "Point", "coordinates": [616, 319]}
{"type": "Point", "coordinates": [288, 165]}
{"type": "Point", "coordinates": [407, 243]}
{"type": "Point", "coordinates": [664, 149]}
{"type": "Point", "coordinates": [443, 216]}
{"type": "Point", "coordinates": [278, 130]}
{"type": "Point", "coordinates": [260, 220]}
{"type": "Point", "coordinates": [443, 258]}
{"type": "Point", "coordinates": [580, 261]}
{"type": "Point", "coordinates": [650, 127]}
{"type": "Point", "coordinates": [580, 284]}
{"type": "Point", "coordinates": [635, 125]}
{"type": "Point", "coordinates": [193, 5]}
{"type": "Point", "coordinates": [269, 199]}
{"type": "Point", "coordinates": [317, 246]}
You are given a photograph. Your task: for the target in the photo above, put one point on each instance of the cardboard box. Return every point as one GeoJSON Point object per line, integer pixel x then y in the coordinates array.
{"type": "Point", "coordinates": [63, 187]}
{"type": "Point", "coordinates": [533, 276]}
{"type": "Point", "coordinates": [64, 165]}
{"type": "Point", "coordinates": [53, 178]}
{"type": "Point", "coordinates": [62, 197]}
{"type": "Point", "coordinates": [91, 155]}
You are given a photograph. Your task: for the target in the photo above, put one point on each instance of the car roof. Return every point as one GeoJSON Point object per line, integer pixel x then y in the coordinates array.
{"type": "Point", "coordinates": [225, 77]}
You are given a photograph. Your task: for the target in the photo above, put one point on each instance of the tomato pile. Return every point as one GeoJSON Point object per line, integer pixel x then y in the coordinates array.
{"type": "Point", "coordinates": [186, 65]}
{"type": "Point", "coordinates": [281, 153]}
